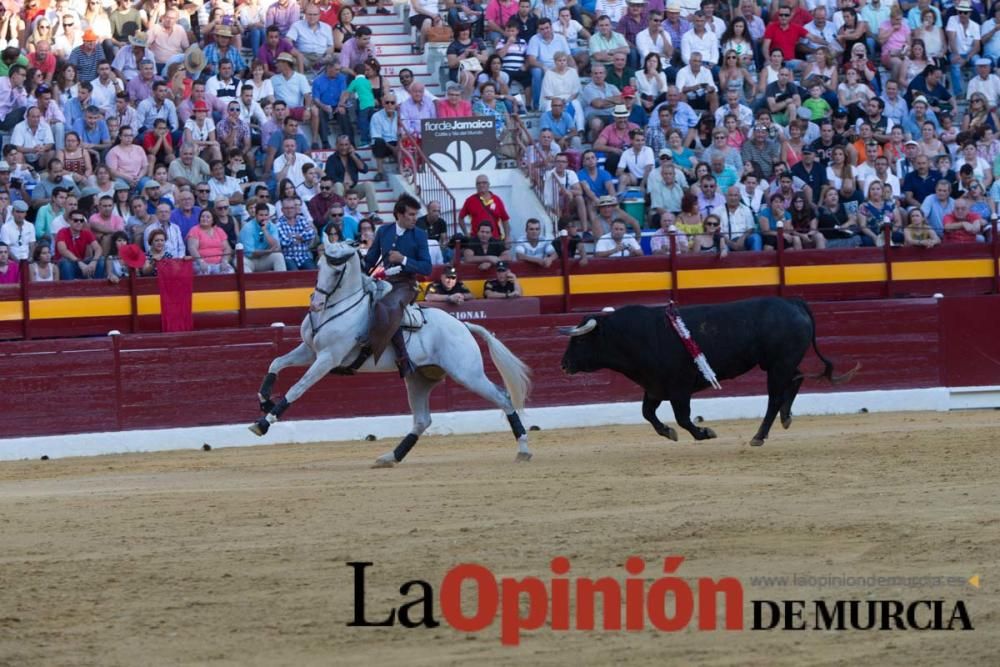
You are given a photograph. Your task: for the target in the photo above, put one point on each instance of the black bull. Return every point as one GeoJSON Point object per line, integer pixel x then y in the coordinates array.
{"type": "Point", "coordinates": [639, 343]}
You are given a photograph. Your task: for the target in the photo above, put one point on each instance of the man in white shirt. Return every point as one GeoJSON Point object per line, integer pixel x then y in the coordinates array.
{"type": "Point", "coordinates": [821, 33]}
{"type": "Point", "coordinates": [18, 233]}
{"type": "Point", "coordinates": [700, 40]}
{"type": "Point", "coordinates": [532, 249]}
{"type": "Point", "coordinates": [737, 223]}
{"type": "Point", "coordinates": [221, 186]}
{"type": "Point", "coordinates": [654, 39]}
{"type": "Point", "coordinates": [105, 90]}
{"type": "Point", "coordinates": [616, 244]}
{"type": "Point", "coordinates": [963, 42]}
{"type": "Point", "coordinates": [697, 84]}
{"type": "Point", "coordinates": [985, 82]}
{"type": "Point", "coordinates": [33, 139]}
{"type": "Point", "coordinates": [290, 163]}
{"type": "Point", "coordinates": [636, 163]}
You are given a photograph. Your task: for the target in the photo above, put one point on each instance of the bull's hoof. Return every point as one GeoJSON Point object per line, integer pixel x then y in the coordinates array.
{"type": "Point", "coordinates": [385, 461]}
{"type": "Point", "coordinates": [668, 432]}
{"type": "Point", "coordinates": [523, 457]}
{"type": "Point", "coordinates": [756, 442]}
{"type": "Point", "coordinates": [709, 433]}
{"type": "Point", "coordinates": [786, 421]}
{"type": "Point", "coordinates": [260, 426]}
{"type": "Point", "coordinates": [266, 405]}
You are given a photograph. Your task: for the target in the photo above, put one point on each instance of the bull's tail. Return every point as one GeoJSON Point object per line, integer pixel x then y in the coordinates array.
{"type": "Point", "coordinates": [515, 373]}
{"type": "Point", "coordinates": [827, 364]}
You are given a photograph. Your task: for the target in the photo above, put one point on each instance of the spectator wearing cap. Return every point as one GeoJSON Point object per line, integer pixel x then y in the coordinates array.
{"type": "Point", "coordinates": [616, 138]}
{"type": "Point", "coordinates": [504, 286]}
{"type": "Point", "coordinates": [812, 173]}
{"type": "Point", "coordinates": [33, 139]}
{"type": "Point", "coordinates": [542, 49]}
{"type": "Point", "coordinates": [448, 288]}
{"type": "Point", "coordinates": [13, 98]}
{"type": "Point", "coordinates": [963, 42]}
{"type": "Point", "coordinates": [312, 37]}
{"type": "Point", "coordinates": [18, 233]}
{"type": "Point", "coordinates": [167, 40]}
{"type": "Point", "coordinates": [222, 49]}
{"type": "Point", "coordinates": [293, 89]}
{"type": "Point", "coordinates": [908, 163]}
{"type": "Point", "coordinates": [199, 132]}
{"type": "Point", "coordinates": [985, 82]}
{"type": "Point", "coordinates": [86, 57]}
{"type": "Point", "coordinates": [128, 60]}
{"type": "Point", "coordinates": [674, 24]}
{"type": "Point", "coordinates": [919, 114]}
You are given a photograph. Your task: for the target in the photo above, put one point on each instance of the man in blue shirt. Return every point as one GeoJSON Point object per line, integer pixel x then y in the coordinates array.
{"type": "Point", "coordinates": [402, 250]}
{"type": "Point", "coordinates": [93, 130]}
{"type": "Point", "coordinates": [327, 89]}
{"type": "Point", "coordinates": [262, 251]}
{"type": "Point", "coordinates": [562, 125]}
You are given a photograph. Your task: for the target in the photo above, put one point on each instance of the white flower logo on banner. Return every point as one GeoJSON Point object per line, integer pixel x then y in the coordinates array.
{"type": "Point", "coordinates": [460, 156]}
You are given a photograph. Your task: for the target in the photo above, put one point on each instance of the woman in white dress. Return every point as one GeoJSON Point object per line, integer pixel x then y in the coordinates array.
{"type": "Point", "coordinates": [563, 82]}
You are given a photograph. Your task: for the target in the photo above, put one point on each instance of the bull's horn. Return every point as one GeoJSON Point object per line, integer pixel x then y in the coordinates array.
{"type": "Point", "coordinates": [584, 328]}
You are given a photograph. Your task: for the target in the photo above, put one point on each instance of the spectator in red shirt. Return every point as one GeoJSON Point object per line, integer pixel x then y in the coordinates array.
{"type": "Point", "coordinates": [962, 225]}
{"type": "Point", "coordinates": [484, 205]}
{"type": "Point", "coordinates": [784, 35]}
{"type": "Point", "coordinates": [77, 251]}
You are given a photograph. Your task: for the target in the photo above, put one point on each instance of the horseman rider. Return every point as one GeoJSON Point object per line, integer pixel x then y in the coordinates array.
{"type": "Point", "coordinates": [402, 250]}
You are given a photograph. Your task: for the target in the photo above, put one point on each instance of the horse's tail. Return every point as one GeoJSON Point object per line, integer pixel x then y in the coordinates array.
{"type": "Point", "coordinates": [515, 373]}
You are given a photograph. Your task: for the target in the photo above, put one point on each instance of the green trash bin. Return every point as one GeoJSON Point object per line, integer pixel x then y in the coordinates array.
{"type": "Point", "coordinates": [636, 207]}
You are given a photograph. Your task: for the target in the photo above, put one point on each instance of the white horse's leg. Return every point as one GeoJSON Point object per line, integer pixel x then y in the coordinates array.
{"type": "Point", "coordinates": [418, 393]}
{"type": "Point", "coordinates": [480, 384]}
{"type": "Point", "coordinates": [302, 355]}
{"type": "Point", "coordinates": [321, 367]}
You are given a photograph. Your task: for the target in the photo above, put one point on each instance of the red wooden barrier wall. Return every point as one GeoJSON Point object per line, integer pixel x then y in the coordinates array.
{"type": "Point", "coordinates": [211, 377]}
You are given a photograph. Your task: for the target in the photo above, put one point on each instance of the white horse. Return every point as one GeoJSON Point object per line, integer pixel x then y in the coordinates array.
{"type": "Point", "coordinates": [338, 318]}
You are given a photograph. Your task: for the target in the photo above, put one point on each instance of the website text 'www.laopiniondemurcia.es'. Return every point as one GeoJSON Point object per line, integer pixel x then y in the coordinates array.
{"type": "Point", "coordinates": [471, 598]}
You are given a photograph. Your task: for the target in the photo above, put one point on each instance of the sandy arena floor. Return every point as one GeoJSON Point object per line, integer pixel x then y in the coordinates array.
{"type": "Point", "coordinates": [237, 556]}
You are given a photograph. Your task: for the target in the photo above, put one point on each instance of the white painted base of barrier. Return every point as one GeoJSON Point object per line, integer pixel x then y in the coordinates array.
{"type": "Point", "coordinates": [487, 421]}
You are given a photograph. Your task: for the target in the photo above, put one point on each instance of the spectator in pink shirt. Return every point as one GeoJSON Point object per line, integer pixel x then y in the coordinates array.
{"type": "Point", "coordinates": [105, 223]}
{"type": "Point", "coordinates": [127, 160]}
{"type": "Point", "coordinates": [9, 273]}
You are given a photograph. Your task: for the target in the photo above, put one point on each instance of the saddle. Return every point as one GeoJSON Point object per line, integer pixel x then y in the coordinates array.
{"type": "Point", "coordinates": [413, 315]}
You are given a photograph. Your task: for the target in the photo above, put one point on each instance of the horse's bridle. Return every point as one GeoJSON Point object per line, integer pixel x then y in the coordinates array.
{"type": "Point", "coordinates": [335, 262]}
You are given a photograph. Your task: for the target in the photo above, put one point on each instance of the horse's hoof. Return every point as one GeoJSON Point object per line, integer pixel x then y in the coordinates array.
{"type": "Point", "coordinates": [756, 442]}
{"type": "Point", "coordinates": [385, 461]}
{"type": "Point", "coordinates": [709, 434]}
{"type": "Point", "coordinates": [523, 456]}
{"type": "Point", "coordinates": [266, 406]}
{"type": "Point", "coordinates": [260, 427]}
{"type": "Point", "coordinates": [786, 421]}
{"type": "Point", "coordinates": [668, 432]}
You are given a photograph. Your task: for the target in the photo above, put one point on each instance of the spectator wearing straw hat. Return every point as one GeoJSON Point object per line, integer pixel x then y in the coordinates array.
{"type": "Point", "coordinates": [292, 88]}
{"type": "Point", "coordinates": [86, 57]}
{"type": "Point", "coordinates": [128, 59]}
{"type": "Point", "coordinates": [223, 49]}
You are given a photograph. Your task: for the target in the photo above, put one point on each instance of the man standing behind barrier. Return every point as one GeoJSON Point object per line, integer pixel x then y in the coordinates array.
{"type": "Point", "coordinates": [402, 250]}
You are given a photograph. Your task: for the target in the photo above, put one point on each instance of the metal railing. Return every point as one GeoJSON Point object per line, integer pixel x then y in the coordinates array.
{"type": "Point", "coordinates": [418, 171]}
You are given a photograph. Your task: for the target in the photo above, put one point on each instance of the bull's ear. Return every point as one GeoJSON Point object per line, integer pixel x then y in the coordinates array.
{"type": "Point", "coordinates": [581, 330]}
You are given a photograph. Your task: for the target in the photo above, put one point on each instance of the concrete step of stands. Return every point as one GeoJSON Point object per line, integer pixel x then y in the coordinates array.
{"type": "Point", "coordinates": [393, 22]}
{"type": "Point", "coordinates": [384, 50]}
